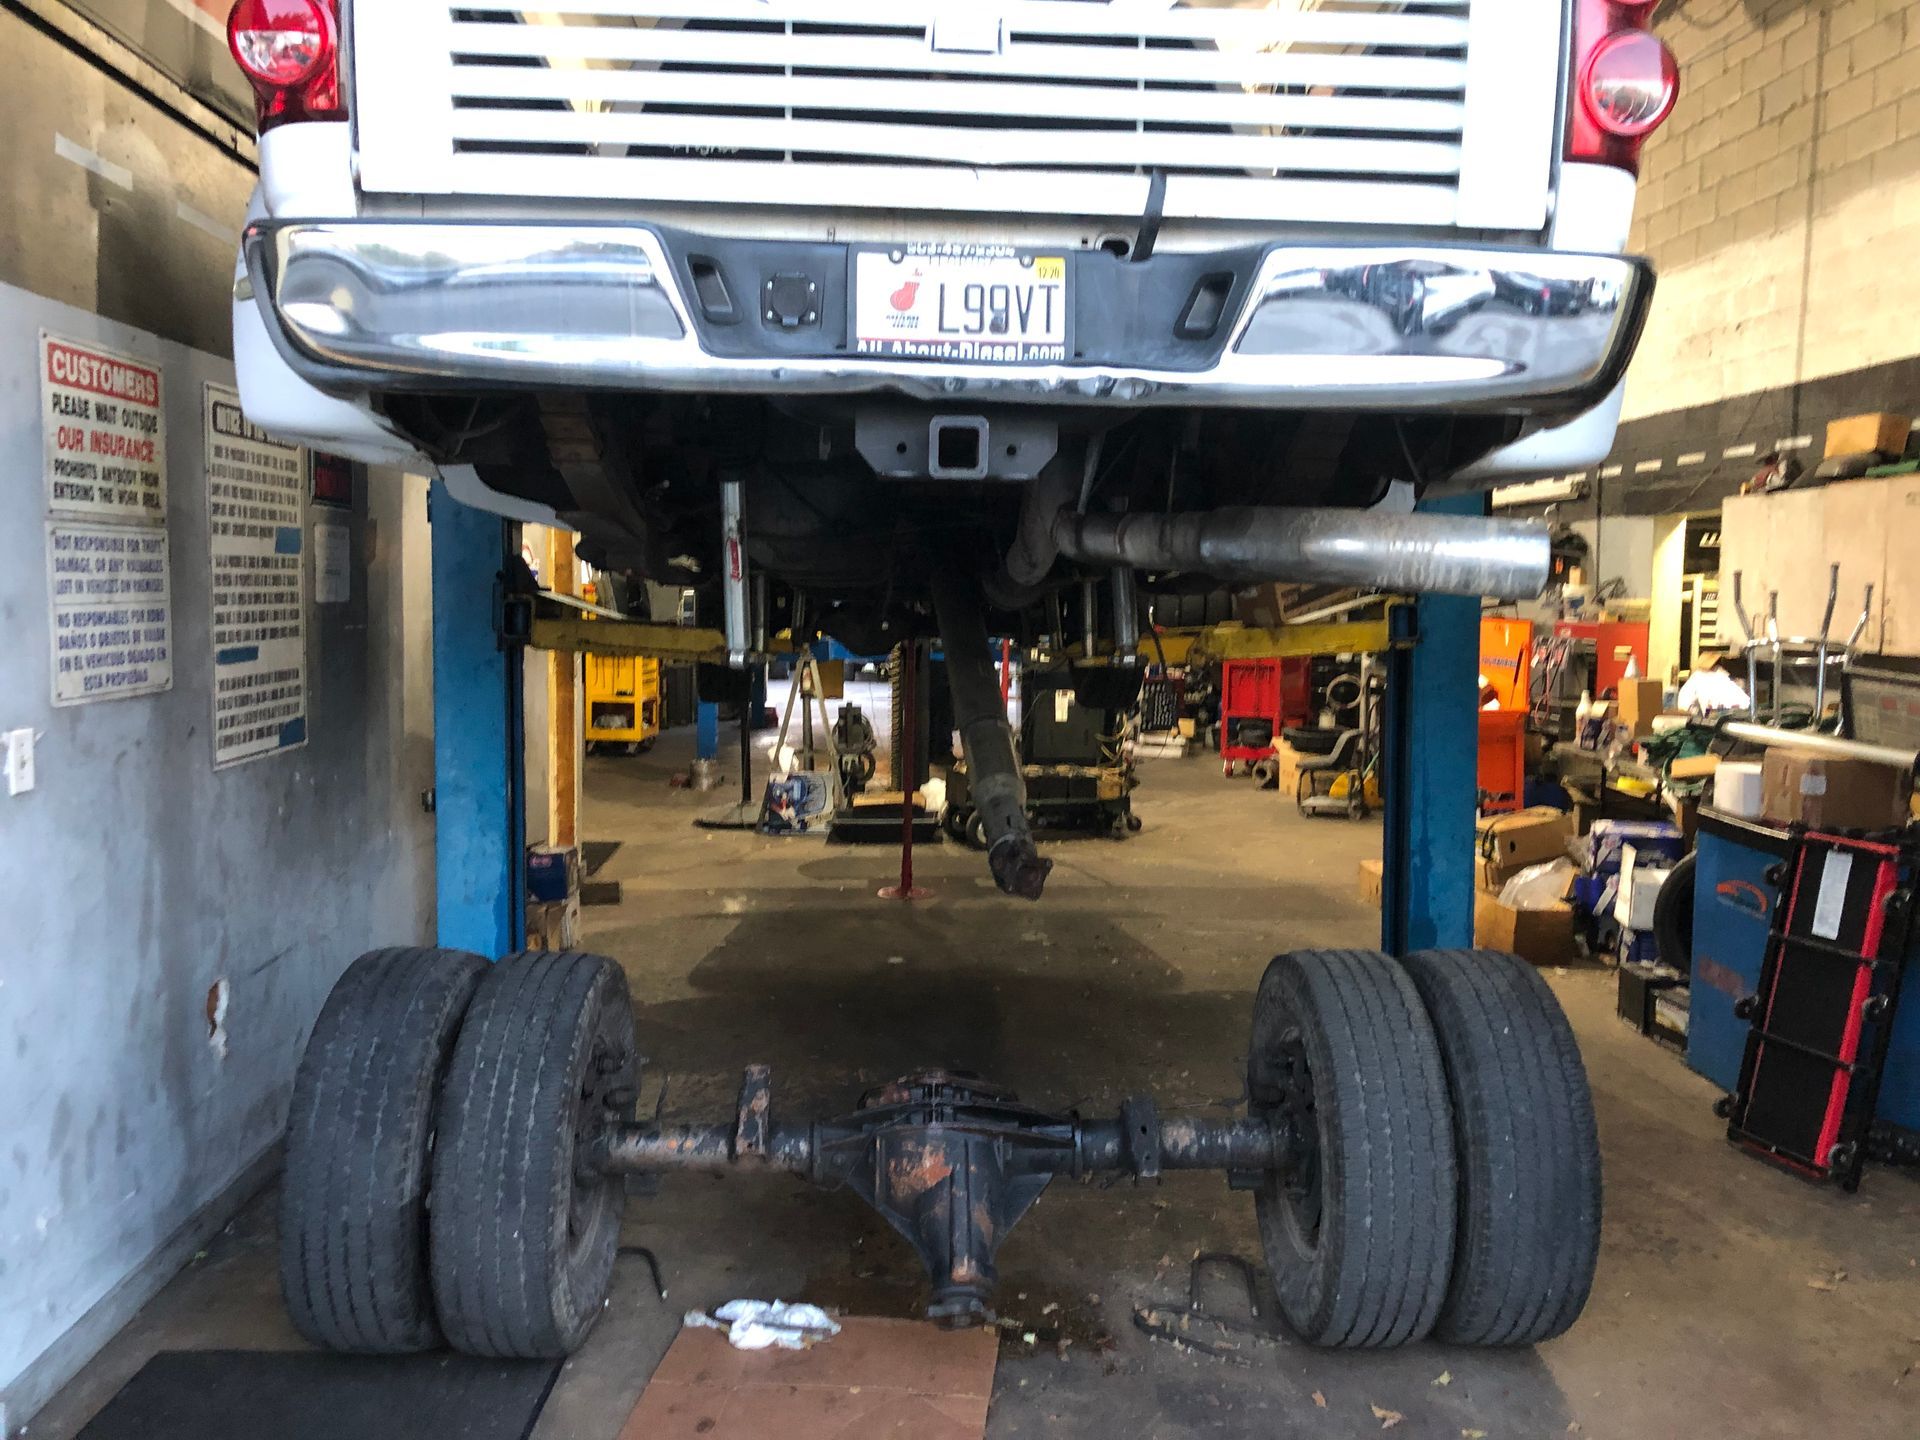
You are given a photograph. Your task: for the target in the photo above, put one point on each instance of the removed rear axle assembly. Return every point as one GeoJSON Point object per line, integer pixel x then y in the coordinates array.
{"type": "Point", "coordinates": [460, 1133]}
{"type": "Point", "coordinates": [950, 1161]}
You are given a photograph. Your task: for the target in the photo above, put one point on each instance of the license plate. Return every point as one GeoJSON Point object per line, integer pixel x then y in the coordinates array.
{"type": "Point", "coordinates": [977, 304]}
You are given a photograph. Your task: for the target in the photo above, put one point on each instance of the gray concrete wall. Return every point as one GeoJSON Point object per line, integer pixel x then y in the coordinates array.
{"type": "Point", "coordinates": [111, 203]}
{"type": "Point", "coordinates": [134, 879]}
{"type": "Point", "coordinates": [137, 879]}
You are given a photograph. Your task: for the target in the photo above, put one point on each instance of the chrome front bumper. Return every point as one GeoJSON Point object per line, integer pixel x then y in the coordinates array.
{"type": "Point", "coordinates": [382, 305]}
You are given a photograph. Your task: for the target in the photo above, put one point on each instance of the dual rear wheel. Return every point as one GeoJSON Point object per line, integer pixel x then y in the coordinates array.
{"type": "Point", "coordinates": [433, 1190]}
{"type": "Point", "coordinates": [1448, 1181]}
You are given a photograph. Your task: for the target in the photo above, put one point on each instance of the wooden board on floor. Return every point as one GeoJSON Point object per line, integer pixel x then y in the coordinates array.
{"type": "Point", "coordinates": [875, 1380]}
{"type": "Point", "coordinates": [874, 799]}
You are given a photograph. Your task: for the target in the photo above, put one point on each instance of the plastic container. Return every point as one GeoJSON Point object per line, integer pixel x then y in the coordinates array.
{"type": "Point", "coordinates": [1738, 788]}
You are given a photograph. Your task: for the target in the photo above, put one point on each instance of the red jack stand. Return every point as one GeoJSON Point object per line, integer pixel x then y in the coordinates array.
{"type": "Point", "coordinates": [909, 667]}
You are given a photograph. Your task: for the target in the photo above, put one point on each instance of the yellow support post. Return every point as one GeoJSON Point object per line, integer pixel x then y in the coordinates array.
{"type": "Point", "coordinates": [563, 712]}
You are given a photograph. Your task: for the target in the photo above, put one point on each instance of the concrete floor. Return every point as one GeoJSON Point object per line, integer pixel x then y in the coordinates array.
{"type": "Point", "coordinates": [1731, 1300]}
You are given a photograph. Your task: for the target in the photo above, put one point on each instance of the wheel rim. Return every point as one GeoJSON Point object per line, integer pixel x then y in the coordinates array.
{"type": "Point", "coordinates": [607, 1072]}
{"type": "Point", "coordinates": [1298, 1193]}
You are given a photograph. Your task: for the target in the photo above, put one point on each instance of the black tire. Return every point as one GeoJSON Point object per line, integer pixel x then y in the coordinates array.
{"type": "Point", "coordinates": [976, 830]}
{"type": "Point", "coordinates": [1528, 1152]}
{"type": "Point", "coordinates": [360, 1133]}
{"type": "Point", "coordinates": [523, 1245]}
{"type": "Point", "coordinates": [1359, 1244]}
{"type": "Point", "coordinates": [1310, 739]}
{"type": "Point", "coordinates": [1673, 916]}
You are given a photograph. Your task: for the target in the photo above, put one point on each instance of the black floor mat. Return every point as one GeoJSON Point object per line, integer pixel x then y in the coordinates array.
{"type": "Point", "coordinates": [299, 1395]}
{"type": "Point", "coordinates": [595, 853]}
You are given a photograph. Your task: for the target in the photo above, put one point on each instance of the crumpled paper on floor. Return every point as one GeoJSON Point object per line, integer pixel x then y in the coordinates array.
{"type": "Point", "coordinates": [764, 1324]}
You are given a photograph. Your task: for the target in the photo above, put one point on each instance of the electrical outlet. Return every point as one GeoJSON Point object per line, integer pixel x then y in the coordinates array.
{"type": "Point", "coordinates": [19, 764]}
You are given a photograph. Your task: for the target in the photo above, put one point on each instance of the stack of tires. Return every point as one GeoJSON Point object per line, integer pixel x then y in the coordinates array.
{"type": "Point", "coordinates": [434, 1190]}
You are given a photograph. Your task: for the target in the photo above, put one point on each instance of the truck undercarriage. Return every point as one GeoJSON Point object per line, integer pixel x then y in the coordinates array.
{"type": "Point", "coordinates": [922, 321]}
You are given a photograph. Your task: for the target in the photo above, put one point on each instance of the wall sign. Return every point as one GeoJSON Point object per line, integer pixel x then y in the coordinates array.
{"type": "Point", "coordinates": [332, 480]}
{"type": "Point", "coordinates": [256, 514]}
{"type": "Point", "coordinates": [104, 424]}
{"type": "Point", "coordinates": [111, 599]}
{"type": "Point", "coordinates": [332, 563]}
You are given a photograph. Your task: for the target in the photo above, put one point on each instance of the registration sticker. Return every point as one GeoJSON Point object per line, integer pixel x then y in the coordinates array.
{"type": "Point", "coordinates": [975, 303]}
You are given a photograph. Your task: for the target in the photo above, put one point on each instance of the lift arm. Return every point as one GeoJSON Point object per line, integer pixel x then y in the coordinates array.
{"type": "Point", "coordinates": [548, 621]}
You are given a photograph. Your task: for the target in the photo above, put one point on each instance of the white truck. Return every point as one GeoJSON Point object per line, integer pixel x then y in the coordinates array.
{"type": "Point", "coordinates": [1277, 252]}
{"type": "Point", "coordinates": [941, 312]}
{"type": "Point", "coordinates": [1047, 292]}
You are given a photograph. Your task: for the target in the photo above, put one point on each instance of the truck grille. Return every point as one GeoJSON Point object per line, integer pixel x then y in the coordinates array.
{"type": "Point", "coordinates": [1306, 110]}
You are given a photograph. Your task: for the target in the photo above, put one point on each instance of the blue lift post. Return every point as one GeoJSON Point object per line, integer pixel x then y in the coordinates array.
{"type": "Point", "coordinates": [1432, 739]}
{"type": "Point", "coordinates": [1431, 765]}
{"type": "Point", "coordinates": [479, 737]}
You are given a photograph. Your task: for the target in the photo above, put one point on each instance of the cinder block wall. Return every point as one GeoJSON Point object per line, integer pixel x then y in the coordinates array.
{"type": "Point", "coordinates": [1781, 202]}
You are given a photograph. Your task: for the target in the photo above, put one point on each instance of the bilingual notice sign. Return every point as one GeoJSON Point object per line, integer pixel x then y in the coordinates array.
{"type": "Point", "coordinates": [112, 611]}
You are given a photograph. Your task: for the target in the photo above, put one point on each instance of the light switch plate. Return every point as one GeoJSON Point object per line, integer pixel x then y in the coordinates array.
{"type": "Point", "coordinates": [19, 761]}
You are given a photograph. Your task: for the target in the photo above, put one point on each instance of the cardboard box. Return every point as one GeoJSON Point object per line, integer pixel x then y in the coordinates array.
{"type": "Point", "coordinates": [1693, 767]}
{"type": "Point", "coordinates": [1655, 841]}
{"type": "Point", "coordinates": [1540, 937]}
{"type": "Point", "coordinates": [1640, 702]}
{"type": "Point", "coordinates": [1372, 881]}
{"type": "Point", "coordinates": [1857, 434]}
{"type": "Point", "coordinates": [1491, 876]}
{"type": "Point", "coordinates": [1524, 837]}
{"type": "Point", "coordinates": [1289, 759]}
{"type": "Point", "coordinates": [1639, 890]}
{"type": "Point", "coordinates": [1261, 606]}
{"type": "Point", "coordinates": [1833, 794]}
{"type": "Point", "coordinates": [553, 924]}
{"type": "Point", "coordinates": [552, 874]}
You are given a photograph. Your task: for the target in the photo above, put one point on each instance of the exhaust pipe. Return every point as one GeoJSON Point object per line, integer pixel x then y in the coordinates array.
{"type": "Point", "coordinates": [1417, 553]}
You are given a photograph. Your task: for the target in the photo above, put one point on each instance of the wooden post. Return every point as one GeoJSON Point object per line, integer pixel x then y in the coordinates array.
{"type": "Point", "coordinates": [563, 707]}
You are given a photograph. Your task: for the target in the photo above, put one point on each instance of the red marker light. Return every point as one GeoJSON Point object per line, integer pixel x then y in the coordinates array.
{"type": "Point", "coordinates": [290, 50]}
{"type": "Point", "coordinates": [1630, 83]}
{"type": "Point", "coordinates": [280, 42]}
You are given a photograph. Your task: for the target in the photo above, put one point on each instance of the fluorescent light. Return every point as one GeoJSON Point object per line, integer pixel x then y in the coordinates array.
{"type": "Point", "coordinates": [1538, 492]}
